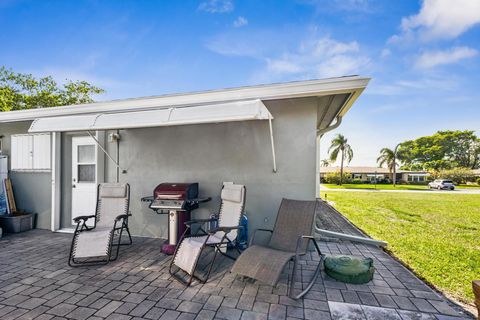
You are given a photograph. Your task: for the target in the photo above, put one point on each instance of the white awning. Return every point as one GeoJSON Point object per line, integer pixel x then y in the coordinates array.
{"type": "Point", "coordinates": [214, 113]}
{"type": "Point", "coordinates": [174, 116]}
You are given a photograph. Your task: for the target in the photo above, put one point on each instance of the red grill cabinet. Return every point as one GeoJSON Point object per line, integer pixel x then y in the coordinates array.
{"type": "Point", "coordinates": [177, 200]}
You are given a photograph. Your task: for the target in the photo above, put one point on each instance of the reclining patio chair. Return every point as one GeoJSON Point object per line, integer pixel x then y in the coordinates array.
{"type": "Point", "coordinates": [95, 245]}
{"type": "Point", "coordinates": [289, 239]}
{"type": "Point", "coordinates": [190, 248]}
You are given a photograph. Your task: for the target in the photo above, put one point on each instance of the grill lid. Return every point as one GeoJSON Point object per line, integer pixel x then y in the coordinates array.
{"type": "Point", "coordinates": [176, 191]}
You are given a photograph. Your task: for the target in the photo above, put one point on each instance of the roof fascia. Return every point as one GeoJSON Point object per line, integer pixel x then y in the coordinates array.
{"type": "Point", "coordinates": [354, 84]}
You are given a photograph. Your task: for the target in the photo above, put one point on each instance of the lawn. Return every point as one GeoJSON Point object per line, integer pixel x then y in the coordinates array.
{"type": "Point", "coordinates": [379, 186]}
{"type": "Point", "coordinates": [390, 186]}
{"type": "Point", "coordinates": [436, 235]}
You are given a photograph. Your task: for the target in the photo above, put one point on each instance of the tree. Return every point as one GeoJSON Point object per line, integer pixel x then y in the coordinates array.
{"type": "Point", "coordinates": [340, 145]}
{"type": "Point", "coordinates": [389, 157]}
{"type": "Point", "coordinates": [325, 162]}
{"type": "Point", "coordinates": [457, 175]}
{"type": "Point", "coordinates": [442, 150]}
{"type": "Point", "coordinates": [20, 91]}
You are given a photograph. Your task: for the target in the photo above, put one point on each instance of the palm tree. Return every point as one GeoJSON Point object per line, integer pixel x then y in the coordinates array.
{"type": "Point", "coordinates": [340, 145]}
{"type": "Point", "coordinates": [389, 157]}
{"type": "Point", "coordinates": [325, 162]}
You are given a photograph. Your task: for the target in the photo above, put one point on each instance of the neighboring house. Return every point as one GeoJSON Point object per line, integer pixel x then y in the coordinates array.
{"type": "Point", "coordinates": [476, 172]}
{"type": "Point", "coordinates": [266, 137]}
{"type": "Point", "coordinates": [370, 173]}
{"type": "Point", "coordinates": [414, 176]}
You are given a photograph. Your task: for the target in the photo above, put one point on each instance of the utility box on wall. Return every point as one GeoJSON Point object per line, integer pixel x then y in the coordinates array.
{"type": "Point", "coordinates": [31, 152]}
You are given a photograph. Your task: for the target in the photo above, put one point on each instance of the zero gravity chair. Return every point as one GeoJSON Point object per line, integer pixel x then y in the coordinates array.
{"type": "Point", "coordinates": [95, 245]}
{"type": "Point", "coordinates": [289, 239]}
{"type": "Point", "coordinates": [190, 248]}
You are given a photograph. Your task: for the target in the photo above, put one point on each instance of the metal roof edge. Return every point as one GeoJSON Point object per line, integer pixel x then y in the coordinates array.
{"type": "Point", "coordinates": [353, 84]}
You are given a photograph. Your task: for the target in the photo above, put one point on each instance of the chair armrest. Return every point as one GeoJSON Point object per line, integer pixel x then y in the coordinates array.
{"type": "Point", "coordinates": [84, 218]}
{"type": "Point", "coordinates": [122, 216]}
{"type": "Point", "coordinates": [310, 239]}
{"type": "Point", "coordinates": [255, 232]}
{"type": "Point", "coordinates": [224, 229]}
{"type": "Point", "coordinates": [190, 222]}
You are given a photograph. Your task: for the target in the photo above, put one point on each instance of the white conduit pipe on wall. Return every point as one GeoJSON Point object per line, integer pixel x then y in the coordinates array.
{"type": "Point", "coordinates": [273, 144]}
{"type": "Point", "coordinates": [106, 153]}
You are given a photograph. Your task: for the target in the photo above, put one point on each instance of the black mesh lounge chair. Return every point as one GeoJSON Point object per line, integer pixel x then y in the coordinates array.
{"type": "Point", "coordinates": [95, 245]}
{"type": "Point", "coordinates": [289, 239]}
{"type": "Point", "coordinates": [187, 254]}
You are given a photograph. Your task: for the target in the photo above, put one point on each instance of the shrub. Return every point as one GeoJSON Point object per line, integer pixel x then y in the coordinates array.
{"type": "Point", "coordinates": [457, 175]}
{"type": "Point", "coordinates": [334, 177]}
{"type": "Point", "coordinates": [478, 181]}
{"type": "Point", "coordinates": [418, 183]}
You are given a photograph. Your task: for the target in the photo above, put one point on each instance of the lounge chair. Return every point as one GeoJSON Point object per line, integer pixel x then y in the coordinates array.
{"type": "Point", "coordinates": [190, 248]}
{"type": "Point", "coordinates": [95, 245]}
{"type": "Point", "coordinates": [289, 239]}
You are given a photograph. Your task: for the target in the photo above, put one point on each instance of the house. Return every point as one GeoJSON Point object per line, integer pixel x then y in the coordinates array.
{"type": "Point", "coordinates": [266, 137]}
{"type": "Point", "coordinates": [476, 172]}
{"type": "Point", "coordinates": [370, 173]}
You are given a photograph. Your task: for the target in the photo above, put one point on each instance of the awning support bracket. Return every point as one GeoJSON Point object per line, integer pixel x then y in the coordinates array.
{"type": "Point", "coordinates": [273, 143]}
{"type": "Point", "coordinates": [105, 151]}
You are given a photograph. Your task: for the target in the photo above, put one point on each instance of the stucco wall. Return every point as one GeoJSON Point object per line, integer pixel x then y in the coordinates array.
{"type": "Point", "coordinates": [210, 154]}
{"type": "Point", "coordinates": [32, 190]}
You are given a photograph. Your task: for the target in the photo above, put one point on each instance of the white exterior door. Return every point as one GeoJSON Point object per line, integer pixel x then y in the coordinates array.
{"type": "Point", "coordinates": [84, 177]}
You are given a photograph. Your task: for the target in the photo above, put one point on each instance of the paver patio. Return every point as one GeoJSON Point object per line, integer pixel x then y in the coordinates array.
{"type": "Point", "coordinates": [36, 283]}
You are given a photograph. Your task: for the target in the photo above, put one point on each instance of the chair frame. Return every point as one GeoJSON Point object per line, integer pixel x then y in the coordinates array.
{"type": "Point", "coordinates": [82, 226]}
{"type": "Point", "coordinates": [295, 260]}
{"type": "Point", "coordinates": [225, 241]}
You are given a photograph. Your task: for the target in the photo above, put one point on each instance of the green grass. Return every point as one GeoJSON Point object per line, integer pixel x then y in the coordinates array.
{"type": "Point", "coordinates": [436, 235]}
{"type": "Point", "coordinates": [469, 186]}
{"type": "Point", "coordinates": [379, 186]}
{"type": "Point", "coordinates": [390, 186]}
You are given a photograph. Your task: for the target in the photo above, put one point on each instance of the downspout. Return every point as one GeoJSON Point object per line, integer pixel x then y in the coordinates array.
{"type": "Point", "coordinates": [117, 177]}
{"type": "Point", "coordinates": [320, 133]}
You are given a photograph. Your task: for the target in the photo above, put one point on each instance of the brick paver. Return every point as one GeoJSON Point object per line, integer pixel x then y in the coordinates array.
{"type": "Point", "coordinates": [36, 283]}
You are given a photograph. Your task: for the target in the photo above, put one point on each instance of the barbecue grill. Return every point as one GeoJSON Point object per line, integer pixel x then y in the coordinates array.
{"type": "Point", "coordinates": [177, 200]}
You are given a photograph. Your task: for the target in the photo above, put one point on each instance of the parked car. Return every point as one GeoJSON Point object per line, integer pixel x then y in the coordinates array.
{"type": "Point", "coordinates": [441, 184]}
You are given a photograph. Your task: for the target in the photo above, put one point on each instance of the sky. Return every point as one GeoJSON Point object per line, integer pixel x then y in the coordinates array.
{"type": "Point", "coordinates": [423, 56]}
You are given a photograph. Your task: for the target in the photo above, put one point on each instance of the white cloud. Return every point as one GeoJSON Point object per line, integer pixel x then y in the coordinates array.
{"type": "Point", "coordinates": [243, 43]}
{"type": "Point", "coordinates": [414, 84]}
{"type": "Point", "coordinates": [283, 66]}
{"type": "Point", "coordinates": [385, 53]}
{"type": "Point", "coordinates": [288, 55]}
{"type": "Point", "coordinates": [216, 6]}
{"type": "Point", "coordinates": [319, 58]}
{"type": "Point", "coordinates": [363, 6]}
{"type": "Point", "coordinates": [353, 5]}
{"type": "Point", "coordinates": [430, 59]}
{"type": "Point", "coordinates": [240, 22]}
{"type": "Point", "coordinates": [440, 19]}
